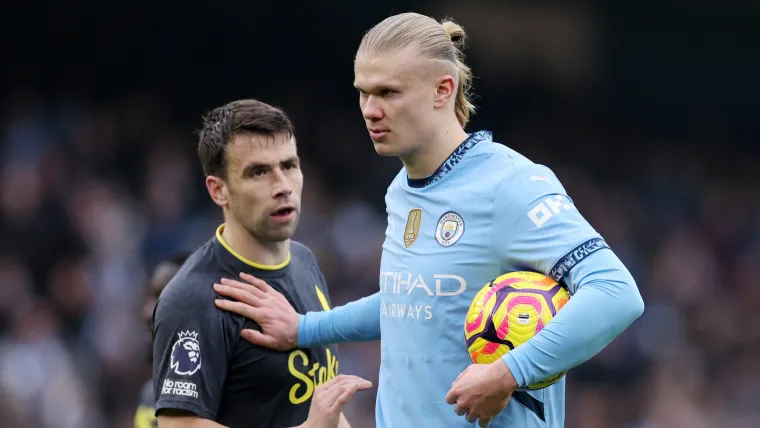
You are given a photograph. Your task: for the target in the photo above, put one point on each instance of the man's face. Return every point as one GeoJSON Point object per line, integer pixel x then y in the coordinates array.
{"type": "Point", "coordinates": [397, 94]}
{"type": "Point", "coordinates": [263, 186]}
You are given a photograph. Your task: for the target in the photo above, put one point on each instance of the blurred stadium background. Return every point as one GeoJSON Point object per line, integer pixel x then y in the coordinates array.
{"type": "Point", "coordinates": [646, 110]}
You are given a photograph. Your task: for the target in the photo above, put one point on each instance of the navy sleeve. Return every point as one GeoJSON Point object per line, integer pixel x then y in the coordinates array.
{"type": "Point", "coordinates": [191, 348]}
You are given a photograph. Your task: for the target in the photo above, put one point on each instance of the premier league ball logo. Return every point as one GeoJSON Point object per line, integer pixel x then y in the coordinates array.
{"type": "Point", "coordinates": [186, 354]}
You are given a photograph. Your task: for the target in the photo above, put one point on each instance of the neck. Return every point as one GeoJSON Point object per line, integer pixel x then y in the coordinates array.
{"type": "Point", "coordinates": [252, 249]}
{"type": "Point", "coordinates": [431, 154]}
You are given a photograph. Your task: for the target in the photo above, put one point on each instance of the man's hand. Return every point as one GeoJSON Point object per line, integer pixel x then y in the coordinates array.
{"type": "Point", "coordinates": [329, 399]}
{"type": "Point", "coordinates": [482, 391]}
{"type": "Point", "coordinates": [258, 301]}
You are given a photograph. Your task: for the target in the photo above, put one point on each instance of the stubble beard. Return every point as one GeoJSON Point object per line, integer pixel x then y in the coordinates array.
{"type": "Point", "coordinates": [264, 231]}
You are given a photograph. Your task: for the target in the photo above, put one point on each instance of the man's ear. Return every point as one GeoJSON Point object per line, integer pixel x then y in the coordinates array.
{"type": "Point", "coordinates": [217, 189]}
{"type": "Point", "coordinates": [446, 88]}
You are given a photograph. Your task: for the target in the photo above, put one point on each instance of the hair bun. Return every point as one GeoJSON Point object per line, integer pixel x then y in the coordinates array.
{"type": "Point", "coordinates": [455, 32]}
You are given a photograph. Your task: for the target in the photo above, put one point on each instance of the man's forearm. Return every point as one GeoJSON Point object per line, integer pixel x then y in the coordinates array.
{"type": "Point", "coordinates": [606, 303]}
{"type": "Point", "coordinates": [357, 321]}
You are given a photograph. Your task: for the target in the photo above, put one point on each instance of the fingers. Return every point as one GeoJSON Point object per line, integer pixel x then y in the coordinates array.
{"type": "Point", "coordinates": [337, 385]}
{"type": "Point", "coordinates": [256, 291]}
{"type": "Point", "coordinates": [246, 310]}
{"type": "Point", "coordinates": [344, 379]}
{"type": "Point", "coordinates": [258, 338]}
{"type": "Point", "coordinates": [484, 422]}
{"type": "Point", "coordinates": [460, 411]}
{"type": "Point", "coordinates": [254, 297]}
{"type": "Point", "coordinates": [451, 397]}
{"type": "Point", "coordinates": [346, 390]}
{"type": "Point", "coordinates": [257, 283]}
{"type": "Point", "coordinates": [342, 400]}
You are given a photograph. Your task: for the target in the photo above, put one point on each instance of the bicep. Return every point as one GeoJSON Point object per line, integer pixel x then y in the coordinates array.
{"type": "Point", "coordinates": [539, 228]}
{"type": "Point", "coordinates": [189, 360]}
{"type": "Point", "coordinates": [171, 418]}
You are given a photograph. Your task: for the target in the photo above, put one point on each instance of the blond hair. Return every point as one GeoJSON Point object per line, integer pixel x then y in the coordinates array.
{"type": "Point", "coordinates": [442, 41]}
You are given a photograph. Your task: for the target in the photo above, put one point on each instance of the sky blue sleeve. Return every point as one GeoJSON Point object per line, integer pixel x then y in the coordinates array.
{"type": "Point", "coordinates": [537, 227]}
{"type": "Point", "coordinates": [357, 321]}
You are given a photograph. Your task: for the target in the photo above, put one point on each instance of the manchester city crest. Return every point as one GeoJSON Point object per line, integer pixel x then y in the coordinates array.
{"type": "Point", "coordinates": [186, 354]}
{"type": "Point", "coordinates": [449, 229]}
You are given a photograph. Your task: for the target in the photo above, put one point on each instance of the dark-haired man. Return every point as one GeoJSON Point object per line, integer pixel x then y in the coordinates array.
{"type": "Point", "coordinates": [205, 374]}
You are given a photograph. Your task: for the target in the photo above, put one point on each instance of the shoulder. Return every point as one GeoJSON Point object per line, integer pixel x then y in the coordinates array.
{"type": "Point", "coordinates": [306, 265]}
{"type": "Point", "coordinates": [191, 290]}
{"type": "Point", "coordinates": [300, 253]}
{"type": "Point", "coordinates": [304, 262]}
{"type": "Point", "coordinates": [501, 161]}
{"type": "Point", "coordinates": [515, 175]}
{"type": "Point", "coordinates": [529, 182]}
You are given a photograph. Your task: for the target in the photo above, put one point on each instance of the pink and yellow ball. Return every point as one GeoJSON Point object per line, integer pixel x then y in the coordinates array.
{"type": "Point", "coordinates": [509, 311]}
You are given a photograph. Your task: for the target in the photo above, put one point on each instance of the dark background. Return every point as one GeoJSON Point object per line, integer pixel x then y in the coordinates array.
{"type": "Point", "coordinates": [647, 111]}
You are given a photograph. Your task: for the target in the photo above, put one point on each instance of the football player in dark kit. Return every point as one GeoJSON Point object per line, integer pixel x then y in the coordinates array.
{"type": "Point", "coordinates": [160, 275]}
{"type": "Point", "coordinates": [205, 374]}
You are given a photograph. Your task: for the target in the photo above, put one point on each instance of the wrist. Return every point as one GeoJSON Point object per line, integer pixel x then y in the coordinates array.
{"type": "Point", "coordinates": [299, 337]}
{"type": "Point", "coordinates": [514, 367]}
{"type": "Point", "coordinates": [505, 375]}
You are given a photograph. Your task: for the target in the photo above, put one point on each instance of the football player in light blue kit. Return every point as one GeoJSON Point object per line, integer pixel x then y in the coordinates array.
{"type": "Point", "coordinates": [462, 211]}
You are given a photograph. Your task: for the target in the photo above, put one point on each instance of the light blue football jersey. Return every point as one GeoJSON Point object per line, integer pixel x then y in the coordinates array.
{"type": "Point", "coordinates": [488, 210]}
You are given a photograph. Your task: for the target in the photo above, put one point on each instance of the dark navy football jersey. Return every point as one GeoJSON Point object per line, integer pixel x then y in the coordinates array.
{"type": "Point", "coordinates": [202, 365]}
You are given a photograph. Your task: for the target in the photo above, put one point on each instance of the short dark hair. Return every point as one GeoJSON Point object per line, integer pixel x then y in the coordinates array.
{"type": "Point", "coordinates": [221, 124]}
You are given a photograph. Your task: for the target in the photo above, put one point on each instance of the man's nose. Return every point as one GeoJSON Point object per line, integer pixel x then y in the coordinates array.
{"type": "Point", "coordinates": [282, 187]}
{"type": "Point", "coordinates": [372, 110]}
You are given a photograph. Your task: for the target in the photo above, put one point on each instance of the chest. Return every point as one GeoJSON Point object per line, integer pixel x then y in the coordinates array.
{"type": "Point", "coordinates": [281, 384]}
{"type": "Point", "coordinates": [305, 291]}
{"type": "Point", "coordinates": [439, 233]}
{"type": "Point", "coordinates": [293, 375]}
{"type": "Point", "coordinates": [437, 254]}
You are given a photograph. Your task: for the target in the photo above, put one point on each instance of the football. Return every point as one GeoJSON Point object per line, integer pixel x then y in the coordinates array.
{"type": "Point", "coordinates": [508, 312]}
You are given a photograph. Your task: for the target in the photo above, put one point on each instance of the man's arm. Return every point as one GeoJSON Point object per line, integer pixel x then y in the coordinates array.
{"type": "Point", "coordinates": [357, 321]}
{"type": "Point", "coordinates": [190, 355]}
{"type": "Point", "coordinates": [537, 226]}
{"type": "Point", "coordinates": [282, 328]}
{"type": "Point", "coordinates": [606, 303]}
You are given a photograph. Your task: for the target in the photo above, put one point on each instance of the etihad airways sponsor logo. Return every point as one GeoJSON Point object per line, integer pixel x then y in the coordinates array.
{"type": "Point", "coordinates": [416, 285]}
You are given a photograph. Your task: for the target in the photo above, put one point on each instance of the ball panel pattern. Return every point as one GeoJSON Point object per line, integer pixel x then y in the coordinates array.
{"type": "Point", "coordinates": [508, 312]}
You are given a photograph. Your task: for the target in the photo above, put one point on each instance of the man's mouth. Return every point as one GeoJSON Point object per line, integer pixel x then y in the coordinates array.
{"type": "Point", "coordinates": [283, 213]}
{"type": "Point", "coordinates": [378, 134]}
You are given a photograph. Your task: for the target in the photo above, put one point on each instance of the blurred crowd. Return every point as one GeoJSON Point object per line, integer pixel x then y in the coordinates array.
{"type": "Point", "coordinates": [93, 195]}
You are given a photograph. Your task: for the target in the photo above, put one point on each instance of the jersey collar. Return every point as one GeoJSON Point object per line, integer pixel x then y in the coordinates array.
{"type": "Point", "coordinates": [452, 160]}
{"type": "Point", "coordinates": [240, 264]}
